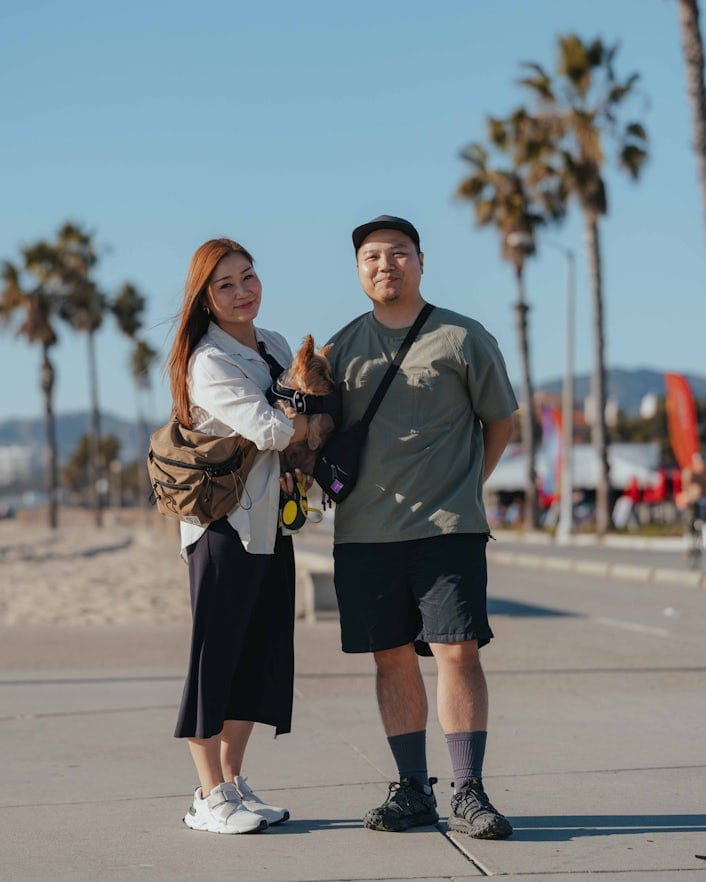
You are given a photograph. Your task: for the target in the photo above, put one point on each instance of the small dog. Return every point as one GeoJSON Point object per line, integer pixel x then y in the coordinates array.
{"type": "Point", "coordinates": [310, 373]}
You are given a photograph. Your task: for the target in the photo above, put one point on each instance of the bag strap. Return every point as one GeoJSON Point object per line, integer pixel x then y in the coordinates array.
{"type": "Point", "coordinates": [396, 362]}
{"type": "Point", "coordinates": [274, 366]}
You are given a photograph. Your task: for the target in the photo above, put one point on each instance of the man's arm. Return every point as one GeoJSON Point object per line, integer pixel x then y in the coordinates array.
{"type": "Point", "coordinates": [495, 438]}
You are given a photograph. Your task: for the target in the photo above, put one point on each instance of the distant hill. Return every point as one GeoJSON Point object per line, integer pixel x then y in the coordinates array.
{"type": "Point", "coordinates": [29, 433]}
{"type": "Point", "coordinates": [629, 387]}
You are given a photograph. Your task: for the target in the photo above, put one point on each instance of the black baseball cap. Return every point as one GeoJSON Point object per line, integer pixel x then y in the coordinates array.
{"type": "Point", "coordinates": [385, 222]}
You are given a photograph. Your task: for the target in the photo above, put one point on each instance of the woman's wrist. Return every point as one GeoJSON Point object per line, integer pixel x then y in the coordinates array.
{"type": "Point", "coordinates": [300, 423]}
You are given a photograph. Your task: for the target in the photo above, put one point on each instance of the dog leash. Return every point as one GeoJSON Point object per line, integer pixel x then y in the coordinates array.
{"type": "Point", "coordinates": [294, 509]}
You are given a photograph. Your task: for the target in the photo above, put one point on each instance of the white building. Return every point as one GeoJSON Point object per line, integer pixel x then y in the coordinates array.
{"type": "Point", "coordinates": [15, 464]}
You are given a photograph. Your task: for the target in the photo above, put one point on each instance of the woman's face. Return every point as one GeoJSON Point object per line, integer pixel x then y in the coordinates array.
{"type": "Point", "coordinates": [234, 292]}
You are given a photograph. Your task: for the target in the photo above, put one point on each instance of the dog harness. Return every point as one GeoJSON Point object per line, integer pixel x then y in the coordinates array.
{"type": "Point", "coordinates": [306, 404]}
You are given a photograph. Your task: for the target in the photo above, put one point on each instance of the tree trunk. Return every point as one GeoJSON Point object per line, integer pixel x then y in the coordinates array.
{"type": "Point", "coordinates": [526, 411]}
{"type": "Point", "coordinates": [143, 446]}
{"type": "Point", "coordinates": [50, 428]}
{"type": "Point", "coordinates": [692, 48]}
{"type": "Point", "coordinates": [599, 432]}
{"type": "Point", "coordinates": [96, 471]}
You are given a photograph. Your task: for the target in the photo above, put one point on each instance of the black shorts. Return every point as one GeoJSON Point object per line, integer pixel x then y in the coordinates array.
{"type": "Point", "coordinates": [422, 591]}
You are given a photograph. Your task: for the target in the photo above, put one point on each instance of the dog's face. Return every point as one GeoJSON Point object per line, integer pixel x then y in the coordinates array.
{"type": "Point", "coordinates": [310, 371]}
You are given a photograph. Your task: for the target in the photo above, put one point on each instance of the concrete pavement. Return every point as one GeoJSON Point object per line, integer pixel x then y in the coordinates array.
{"type": "Point", "coordinates": [595, 753]}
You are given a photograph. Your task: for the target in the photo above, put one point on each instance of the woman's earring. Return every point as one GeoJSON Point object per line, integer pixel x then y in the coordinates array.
{"type": "Point", "coordinates": [206, 309]}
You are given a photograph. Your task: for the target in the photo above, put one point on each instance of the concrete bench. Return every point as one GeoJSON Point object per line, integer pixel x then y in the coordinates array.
{"type": "Point", "coordinates": [315, 597]}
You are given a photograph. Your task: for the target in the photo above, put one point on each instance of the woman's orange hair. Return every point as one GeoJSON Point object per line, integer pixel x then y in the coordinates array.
{"type": "Point", "coordinates": [193, 318]}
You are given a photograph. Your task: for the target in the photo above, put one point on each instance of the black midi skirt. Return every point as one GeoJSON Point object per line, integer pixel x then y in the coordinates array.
{"type": "Point", "coordinates": [242, 645]}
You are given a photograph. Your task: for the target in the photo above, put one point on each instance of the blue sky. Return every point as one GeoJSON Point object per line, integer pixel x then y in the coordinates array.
{"type": "Point", "coordinates": [285, 125]}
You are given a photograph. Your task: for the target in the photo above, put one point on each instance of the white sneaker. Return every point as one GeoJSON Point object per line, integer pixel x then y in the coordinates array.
{"type": "Point", "coordinates": [222, 811]}
{"type": "Point", "coordinates": [273, 814]}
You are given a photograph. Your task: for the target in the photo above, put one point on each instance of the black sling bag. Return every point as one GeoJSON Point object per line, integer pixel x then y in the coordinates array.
{"type": "Point", "coordinates": [336, 469]}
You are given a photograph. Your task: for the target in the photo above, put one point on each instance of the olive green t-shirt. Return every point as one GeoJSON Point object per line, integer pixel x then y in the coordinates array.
{"type": "Point", "coordinates": [422, 466]}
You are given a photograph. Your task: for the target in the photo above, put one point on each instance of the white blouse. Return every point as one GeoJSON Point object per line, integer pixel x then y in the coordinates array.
{"type": "Point", "coordinates": [227, 383]}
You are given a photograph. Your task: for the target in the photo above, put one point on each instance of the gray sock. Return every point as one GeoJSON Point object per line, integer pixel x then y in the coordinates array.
{"type": "Point", "coordinates": [467, 750]}
{"type": "Point", "coordinates": [410, 753]}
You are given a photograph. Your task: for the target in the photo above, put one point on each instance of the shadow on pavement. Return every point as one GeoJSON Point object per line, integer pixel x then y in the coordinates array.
{"type": "Point", "coordinates": [558, 828]}
{"type": "Point", "coordinates": [499, 607]}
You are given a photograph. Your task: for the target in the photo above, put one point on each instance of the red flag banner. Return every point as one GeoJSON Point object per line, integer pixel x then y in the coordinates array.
{"type": "Point", "coordinates": [681, 419]}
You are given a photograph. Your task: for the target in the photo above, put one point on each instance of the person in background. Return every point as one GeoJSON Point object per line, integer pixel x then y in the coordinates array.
{"type": "Point", "coordinates": [410, 540]}
{"type": "Point", "coordinates": [241, 569]}
{"type": "Point", "coordinates": [692, 496]}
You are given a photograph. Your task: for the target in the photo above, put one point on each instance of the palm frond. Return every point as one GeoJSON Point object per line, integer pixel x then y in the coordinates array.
{"type": "Point", "coordinates": [632, 158]}
{"type": "Point", "coordinates": [498, 134]}
{"type": "Point", "coordinates": [540, 86]}
{"type": "Point", "coordinates": [636, 130]}
{"type": "Point", "coordinates": [538, 81]}
{"type": "Point", "coordinates": [484, 211]}
{"type": "Point", "coordinates": [598, 53]}
{"type": "Point", "coordinates": [471, 188]}
{"type": "Point", "coordinates": [475, 154]}
{"type": "Point", "coordinates": [11, 294]}
{"type": "Point", "coordinates": [574, 64]}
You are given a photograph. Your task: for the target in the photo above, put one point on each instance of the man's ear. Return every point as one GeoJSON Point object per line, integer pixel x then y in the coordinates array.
{"type": "Point", "coordinates": [421, 260]}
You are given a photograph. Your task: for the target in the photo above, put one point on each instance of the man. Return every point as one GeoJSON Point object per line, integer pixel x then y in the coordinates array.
{"type": "Point", "coordinates": [409, 547]}
{"type": "Point", "coordinates": [692, 498]}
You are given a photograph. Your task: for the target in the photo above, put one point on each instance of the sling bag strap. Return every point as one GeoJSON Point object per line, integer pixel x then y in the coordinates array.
{"type": "Point", "coordinates": [396, 362]}
{"type": "Point", "coordinates": [273, 365]}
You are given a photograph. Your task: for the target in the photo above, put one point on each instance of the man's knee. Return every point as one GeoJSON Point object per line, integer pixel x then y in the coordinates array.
{"type": "Point", "coordinates": [400, 657]}
{"type": "Point", "coordinates": [463, 655]}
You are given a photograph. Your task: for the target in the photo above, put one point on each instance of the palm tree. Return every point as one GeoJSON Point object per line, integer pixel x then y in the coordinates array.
{"type": "Point", "coordinates": [579, 108]}
{"type": "Point", "coordinates": [127, 308]}
{"type": "Point", "coordinates": [141, 363]}
{"type": "Point", "coordinates": [37, 307]}
{"type": "Point", "coordinates": [693, 51]}
{"type": "Point", "coordinates": [76, 472]}
{"type": "Point", "coordinates": [500, 198]}
{"type": "Point", "coordinates": [83, 306]}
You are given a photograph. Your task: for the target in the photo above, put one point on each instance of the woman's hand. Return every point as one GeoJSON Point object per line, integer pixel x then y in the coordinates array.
{"type": "Point", "coordinates": [287, 481]}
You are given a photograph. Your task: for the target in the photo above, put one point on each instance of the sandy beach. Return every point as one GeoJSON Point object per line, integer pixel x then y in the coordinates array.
{"type": "Point", "coordinates": [128, 571]}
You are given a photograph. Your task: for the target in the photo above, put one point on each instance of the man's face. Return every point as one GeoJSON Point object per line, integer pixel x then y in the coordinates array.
{"type": "Point", "coordinates": [389, 267]}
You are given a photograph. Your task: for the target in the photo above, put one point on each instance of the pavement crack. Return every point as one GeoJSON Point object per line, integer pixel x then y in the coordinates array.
{"type": "Point", "coordinates": [481, 867]}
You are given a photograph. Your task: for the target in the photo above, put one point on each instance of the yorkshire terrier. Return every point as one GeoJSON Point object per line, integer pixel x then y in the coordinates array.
{"type": "Point", "coordinates": [309, 373]}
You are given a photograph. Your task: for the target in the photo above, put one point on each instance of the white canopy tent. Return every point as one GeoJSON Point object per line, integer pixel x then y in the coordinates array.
{"type": "Point", "coordinates": [626, 461]}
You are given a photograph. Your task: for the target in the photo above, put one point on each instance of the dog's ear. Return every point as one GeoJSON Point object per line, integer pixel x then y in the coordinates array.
{"type": "Point", "coordinates": [326, 349]}
{"type": "Point", "coordinates": [307, 349]}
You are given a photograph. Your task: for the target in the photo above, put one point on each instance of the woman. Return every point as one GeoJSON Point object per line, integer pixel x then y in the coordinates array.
{"type": "Point", "coordinates": [241, 569]}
